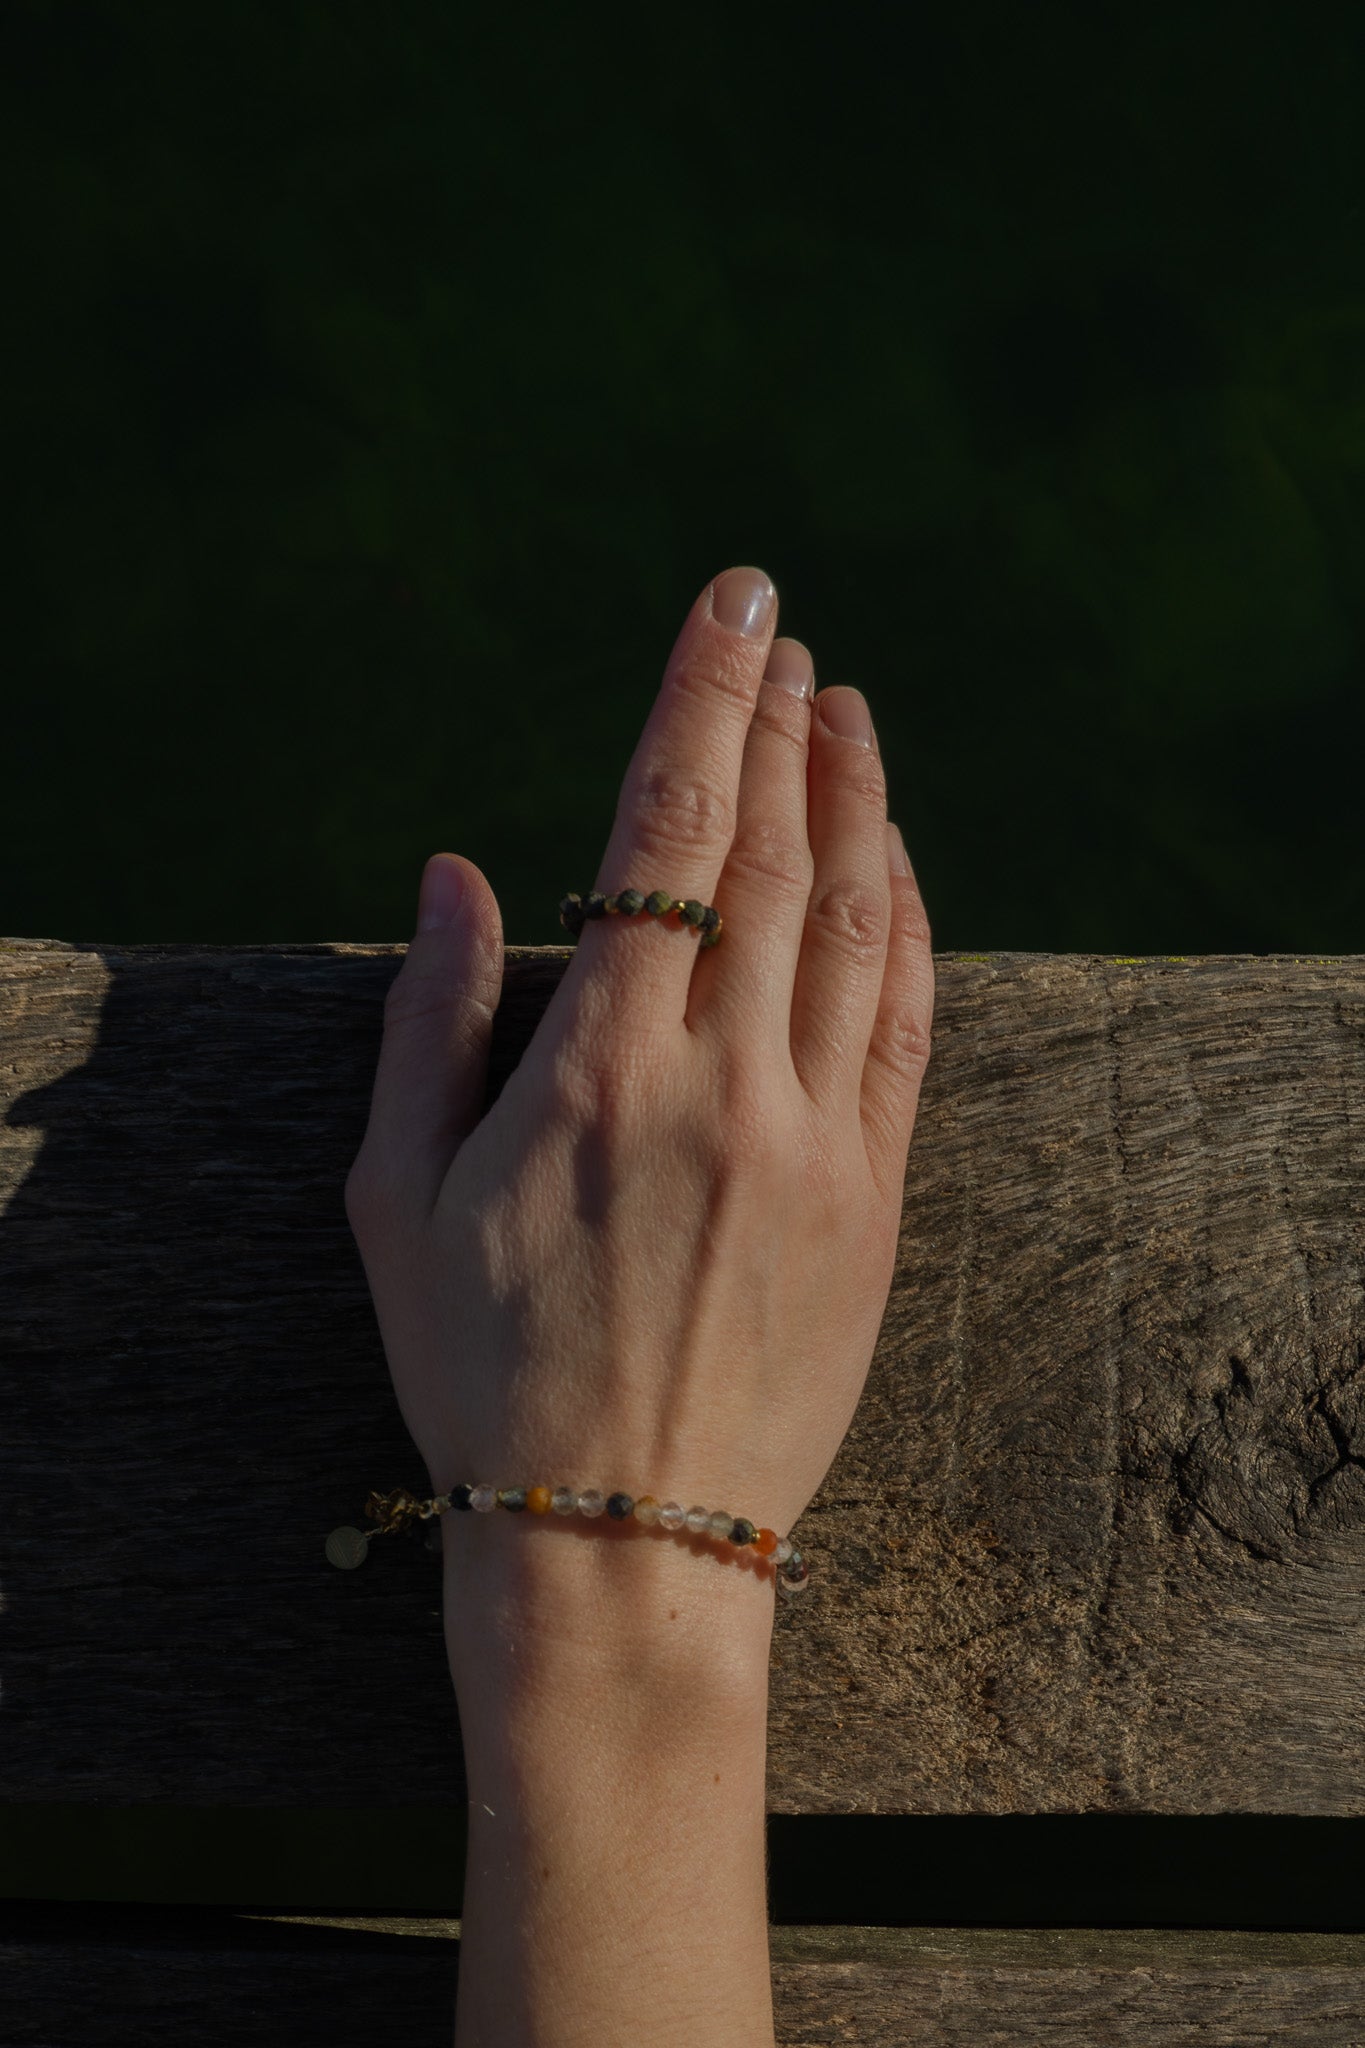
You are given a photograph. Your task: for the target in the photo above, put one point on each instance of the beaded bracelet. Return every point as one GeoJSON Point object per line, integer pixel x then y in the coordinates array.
{"type": "Point", "coordinates": [347, 1548]}
{"type": "Point", "coordinates": [575, 910]}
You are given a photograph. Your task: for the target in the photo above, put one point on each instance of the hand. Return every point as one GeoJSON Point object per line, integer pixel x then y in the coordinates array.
{"type": "Point", "coordinates": [660, 1263]}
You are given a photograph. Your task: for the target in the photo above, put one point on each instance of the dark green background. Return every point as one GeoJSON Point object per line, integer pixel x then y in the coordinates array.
{"type": "Point", "coordinates": [383, 384]}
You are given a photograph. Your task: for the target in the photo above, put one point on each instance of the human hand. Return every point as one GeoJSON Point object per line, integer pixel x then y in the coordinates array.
{"type": "Point", "coordinates": [661, 1260]}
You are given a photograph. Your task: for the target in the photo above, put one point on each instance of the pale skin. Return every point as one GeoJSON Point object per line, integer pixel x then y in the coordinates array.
{"type": "Point", "coordinates": [658, 1265]}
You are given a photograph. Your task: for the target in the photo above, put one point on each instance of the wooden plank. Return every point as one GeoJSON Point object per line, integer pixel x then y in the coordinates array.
{"type": "Point", "coordinates": [1095, 1541]}
{"type": "Point", "coordinates": [107, 1975]}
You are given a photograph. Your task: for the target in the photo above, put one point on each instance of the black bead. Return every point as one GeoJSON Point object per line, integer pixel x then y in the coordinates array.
{"type": "Point", "coordinates": [710, 918]}
{"type": "Point", "coordinates": [743, 1532]}
{"type": "Point", "coordinates": [513, 1497]}
{"type": "Point", "coordinates": [460, 1496]}
{"type": "Point", "coordinates": [619, 1506]}
{"type": "Point", "coordinates": [594, 904]}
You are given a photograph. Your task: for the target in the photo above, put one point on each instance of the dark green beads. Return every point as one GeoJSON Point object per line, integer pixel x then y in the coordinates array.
{"type": "Point", "coordinates": [619, 1506]}
{"type": "Point", "coordinates": [571, 914]}
{"type": "Point", "coordinates": [513, 1497]}
{"type": "Point", "coordinates": [743, 1532]}
{"type": "Point", "coordinates": [575, 910]}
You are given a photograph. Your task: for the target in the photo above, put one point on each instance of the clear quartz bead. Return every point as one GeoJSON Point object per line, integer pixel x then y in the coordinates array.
{"type": "Point", "coordinates": [671, 1515]}
{"type": "Point", "coordinates": [647, 1511]}
{"type": "Point", "coordinates": [564, 1500]}
{"type": "Point", "coordinates": [699, 1521]}
{"type": "Point", "coordinates": [784, 1549]}
{"type": "Point", "coordinates": [591, 1502]}
{"type": "Point", "coordinates": [484, 1498]}
{"type": "Point", "coordinates": [721, 1523]}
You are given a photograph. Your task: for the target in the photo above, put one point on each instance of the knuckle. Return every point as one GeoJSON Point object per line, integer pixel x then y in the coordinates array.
{"type": "Point", "coordinates": [903, 1037]}
{"type": "Point", "coordinates": [583, 1075]}
{"type": "Point", "coordinates": [598, 1081]}
{"type": "Point", "coordinates": [677, 810]}
{"type": "Point", "coordinates": [853, 914]}
{"type": "Point", "coordinates": [911, 919]}
{"type": "Point", "coordinates": [747, 1134]}
{"type": "Point", "coordinates": [859, 770]}
{"type": "Point", "coordinates": [728, 677]}
{"type": "Point", "coordinates": [781, 716]}
{"type": "Point", "coordinates": [767, 851]}
{"type": "Point", "coordinates": [906, 1014]}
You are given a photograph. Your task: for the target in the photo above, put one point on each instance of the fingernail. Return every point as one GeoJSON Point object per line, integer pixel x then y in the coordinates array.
{"type": "Point", "coordinates": [438, 900]}
{"type": "Point", "coordinates": [845, 712]}
{"type": "Point", "coordinates": [742, 599]}
{"type": "Point", "coordinates": [895, 849]}
{"type": "Point", "coordinates": [790, 668]}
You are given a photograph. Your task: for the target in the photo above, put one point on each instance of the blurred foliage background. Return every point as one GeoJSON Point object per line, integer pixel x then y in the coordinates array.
{"type": "Point", "coordinates": [385, 383]}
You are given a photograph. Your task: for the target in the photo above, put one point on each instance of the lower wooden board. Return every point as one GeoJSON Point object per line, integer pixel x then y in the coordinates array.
{"type": "Point", "coordinates": [108, 1975]}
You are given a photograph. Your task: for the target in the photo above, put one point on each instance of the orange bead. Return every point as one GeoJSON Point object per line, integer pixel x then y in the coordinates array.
{"type": "Point", "coordinates": [538, 1500]}
{"type": "Point", "coordinates": [765, 1543]}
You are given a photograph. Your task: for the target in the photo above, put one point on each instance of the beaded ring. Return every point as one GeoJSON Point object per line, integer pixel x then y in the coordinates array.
{"type": "Point", "coordinates": [347, 1548]}
{"type": "Point", "coordinates": [575, 910]}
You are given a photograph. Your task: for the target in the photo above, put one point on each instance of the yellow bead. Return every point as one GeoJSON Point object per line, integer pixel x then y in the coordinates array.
{"type": "Point", "coordinates": [538, 1500]}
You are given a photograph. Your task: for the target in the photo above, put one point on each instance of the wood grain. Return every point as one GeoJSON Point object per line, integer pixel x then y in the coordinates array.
{"type": "Point", "coordinates": [1095, 1541]}
{"type": "Point", "coordinates": [107, 1975]}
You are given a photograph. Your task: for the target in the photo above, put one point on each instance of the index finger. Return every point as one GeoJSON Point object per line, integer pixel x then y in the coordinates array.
{"type": "Point", "coordinates": [676, 814]}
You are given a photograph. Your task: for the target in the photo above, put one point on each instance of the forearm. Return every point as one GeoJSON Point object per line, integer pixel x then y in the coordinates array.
{"type": "Point", "coordinates": [613, 1704]}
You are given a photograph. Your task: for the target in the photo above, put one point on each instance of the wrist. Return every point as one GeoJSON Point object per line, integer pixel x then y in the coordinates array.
{"type": "Point", "coordinates": [613, 1715]}
{"type": "Point", "coordinates": [566, 1609]}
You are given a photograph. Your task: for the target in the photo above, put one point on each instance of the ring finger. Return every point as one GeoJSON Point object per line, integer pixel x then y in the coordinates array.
{"type": "Point", "coordinates": [766, 883]}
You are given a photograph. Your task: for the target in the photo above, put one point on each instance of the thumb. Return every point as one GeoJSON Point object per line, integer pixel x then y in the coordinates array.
{"type": "Point", "coordinates": [433, 1060]}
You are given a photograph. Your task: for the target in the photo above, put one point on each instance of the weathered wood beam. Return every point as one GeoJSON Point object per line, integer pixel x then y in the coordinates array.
{"type": "Point", "coordinates": [1095, 1541]}
{"type": "Point", "coordinates": [110, 1974]}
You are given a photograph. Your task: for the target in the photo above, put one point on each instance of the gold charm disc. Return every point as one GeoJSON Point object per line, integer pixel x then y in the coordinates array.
{"type": "Point", "coordinates": [346, 1548]}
